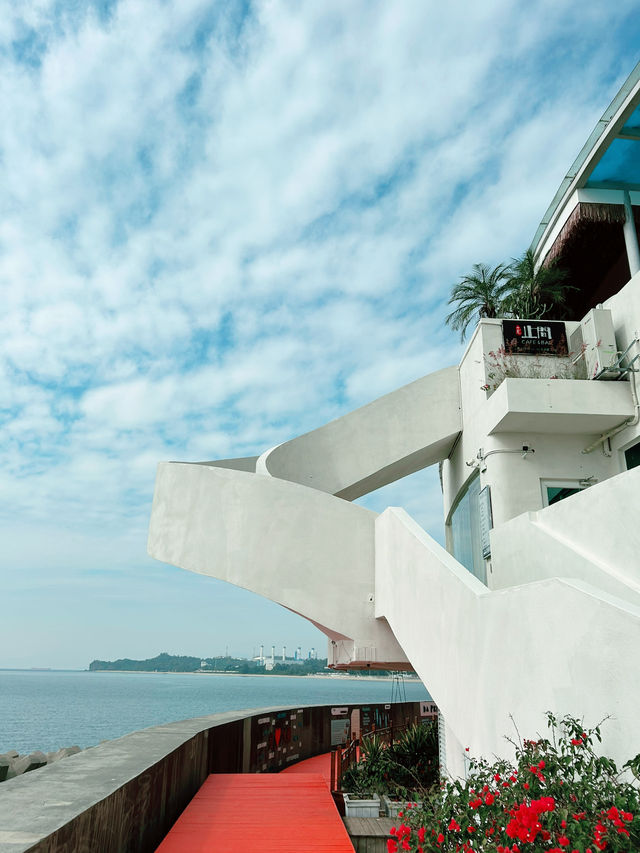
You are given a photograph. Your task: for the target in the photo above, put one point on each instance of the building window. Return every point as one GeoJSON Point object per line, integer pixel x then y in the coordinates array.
{"type": "Point", "coordinates": [632, 456]}
{"type": "Point", "coordinates": [466, 545]}
{"type": "Point", "coordinates": [554, 491]}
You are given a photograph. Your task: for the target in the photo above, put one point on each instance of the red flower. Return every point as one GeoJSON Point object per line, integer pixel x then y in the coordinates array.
{"type": "Point", "coordinates": [440, 838]}
{"type": "Point", "coordinates": [421, 834]}
{"type": "Point", "coordinates": [564, 841]}
{"type": "Point", "coordinates": [489, 799]}
{"type": "Point", "coordinates": [454, 825]}
{"type": "Point", "coordinates": [392, 846]}
{"type": "Point", "coordinates": [577, 741]}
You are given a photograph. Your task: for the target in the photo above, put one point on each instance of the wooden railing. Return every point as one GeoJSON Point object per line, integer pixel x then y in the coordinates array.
{"type": "Point", "coordinates": [342, 758]}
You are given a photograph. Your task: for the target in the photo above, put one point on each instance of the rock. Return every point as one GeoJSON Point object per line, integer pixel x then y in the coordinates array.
{"type": "Point", "coordinates": [5, 763]}
{"type": "Point", "coordinates": [62, 753]}
{"type": "Point", "coordinates": [13, 764]}
{"type": "Point", "coordinates": [18, 766]}
{"type": "Point", "coordinates": [36, 759]}
{"type": "Point", "coordinates": [25, 763]}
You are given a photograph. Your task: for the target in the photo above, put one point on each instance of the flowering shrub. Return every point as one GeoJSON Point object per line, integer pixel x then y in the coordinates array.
{"type": "Point", "coordinates": [559, 797]}
{"type": "Point", "coordinates": [504, 364]}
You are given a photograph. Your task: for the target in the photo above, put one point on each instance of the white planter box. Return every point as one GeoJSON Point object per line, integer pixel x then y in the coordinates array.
{"type": "Point", "coordinates": [361, 808]}
{"type": "Point", "coordinates": [392, 807]}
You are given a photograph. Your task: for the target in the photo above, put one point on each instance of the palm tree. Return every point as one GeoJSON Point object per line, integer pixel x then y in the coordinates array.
{"type": "Point", "coordinates": [535, 292]}
{"type": "Point", "coordinates": [480, 294]}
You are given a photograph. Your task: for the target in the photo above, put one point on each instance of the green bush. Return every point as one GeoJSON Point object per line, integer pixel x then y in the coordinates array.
{"type": "Point", "coordinates": [403, 770]}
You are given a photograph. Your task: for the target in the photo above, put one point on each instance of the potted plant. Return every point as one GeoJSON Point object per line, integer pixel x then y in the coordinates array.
{"type": "Point", "coordinates": [413, 767]}
{"type": "Point", "coordinates": [361, 804]}
{"type": "Point", "coordinates": [364, 782]}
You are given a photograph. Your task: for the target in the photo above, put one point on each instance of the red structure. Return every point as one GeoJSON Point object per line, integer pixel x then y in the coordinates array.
{"type": "Point", "coordinates": [267, 812]}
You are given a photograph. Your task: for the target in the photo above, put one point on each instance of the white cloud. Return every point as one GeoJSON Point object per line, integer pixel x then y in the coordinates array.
{"type": "Point", "coordinates": [216, 232]}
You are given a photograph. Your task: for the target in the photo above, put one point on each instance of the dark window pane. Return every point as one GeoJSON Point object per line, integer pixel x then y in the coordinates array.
{"type": "Point", "coordinates": [632, 456]}
{"type": "Point", "coordinates": [559, 493]}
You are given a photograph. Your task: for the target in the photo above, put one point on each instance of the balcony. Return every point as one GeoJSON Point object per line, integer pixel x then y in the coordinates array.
{"type": "Point", "coordinates": [561, 406]}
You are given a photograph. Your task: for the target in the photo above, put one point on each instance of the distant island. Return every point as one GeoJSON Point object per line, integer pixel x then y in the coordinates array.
{"type": "Point", "coordinates": [184, 663]}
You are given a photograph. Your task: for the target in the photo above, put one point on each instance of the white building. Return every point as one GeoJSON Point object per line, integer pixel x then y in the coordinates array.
{"type": "Point", "coordinates": [535, 605]}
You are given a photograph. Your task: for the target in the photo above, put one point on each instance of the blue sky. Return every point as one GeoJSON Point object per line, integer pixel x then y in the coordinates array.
{"type": "Point", "coordinates": [224, 224]}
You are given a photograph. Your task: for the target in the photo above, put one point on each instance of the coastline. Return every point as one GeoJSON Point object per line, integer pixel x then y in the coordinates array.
{"type": "Point", "coordinates": [342, 676]}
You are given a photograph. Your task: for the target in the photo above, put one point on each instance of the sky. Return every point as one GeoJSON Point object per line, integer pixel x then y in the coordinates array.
{"type": "Point", "coordinates": [225, 223]}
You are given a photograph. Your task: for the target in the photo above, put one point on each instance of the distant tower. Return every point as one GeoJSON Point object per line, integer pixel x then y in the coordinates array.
{"type": "Point", "coordinates": [284, 653]}
{"type": "Point", "coordinates": [299, 653]}
{"type": "Point", "coordinates": [273, 654]}
{"type": "Point", "coordinates": [261, 654]}
{"type": "Point", "coordinates": [313, 654]}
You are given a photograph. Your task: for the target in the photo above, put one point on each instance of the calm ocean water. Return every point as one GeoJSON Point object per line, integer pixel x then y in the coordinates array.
{"type": "Point", "coordinates": [49, 710]}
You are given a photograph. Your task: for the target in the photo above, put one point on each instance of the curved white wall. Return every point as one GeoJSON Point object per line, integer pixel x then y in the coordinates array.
{"type": "Point", "coordinates": [304, 549]}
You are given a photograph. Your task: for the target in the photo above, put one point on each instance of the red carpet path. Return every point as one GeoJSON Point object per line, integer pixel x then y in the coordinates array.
{"type": "Point", "coordinates": [286, 812]}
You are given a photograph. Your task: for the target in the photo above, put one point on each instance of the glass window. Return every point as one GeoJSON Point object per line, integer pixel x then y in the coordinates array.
{"type": "Point", "coordinates": [632, 456]}
{"type": "Point", "coordinates": [619, 166]}
{"type": "Point", "coordinates": [559, 493]}
{"type": "Point", "coordinates": [632, 125]}
{"type": "Point", "coordinates": [465, 531]}
{"type": "Point", "coordinates": [554, 491]}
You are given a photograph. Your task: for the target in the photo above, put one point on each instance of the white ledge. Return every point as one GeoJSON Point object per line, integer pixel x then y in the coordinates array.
{"type": "Point", "coordinates": [565, 406]}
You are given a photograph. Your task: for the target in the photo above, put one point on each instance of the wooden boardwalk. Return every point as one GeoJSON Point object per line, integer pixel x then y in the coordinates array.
{"type": "Point", "coordinates": [286, 812]}
{"type": "Point", "coordinates": [320, 764]}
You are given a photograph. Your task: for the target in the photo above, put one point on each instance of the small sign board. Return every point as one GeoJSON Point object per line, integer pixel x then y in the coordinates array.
{"type": "Point", "coordinates": [486, 520]}
{"type": "Point", "coordinates": [534, 337]}
{"type": "Point", "coordinates": [339, 712]}
{"type": "Point", "coordinates": [428, 709]}
{"type": "Point", "coordinates": [340, 731]}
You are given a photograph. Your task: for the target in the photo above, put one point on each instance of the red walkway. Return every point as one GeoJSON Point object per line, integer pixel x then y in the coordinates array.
{"type": "Point", "coordinates": [263, 812]}
{"type": "Point", "coordinates": [319, 764]}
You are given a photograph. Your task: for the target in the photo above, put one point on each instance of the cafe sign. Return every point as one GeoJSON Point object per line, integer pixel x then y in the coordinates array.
{"type": "Point", "coordinates": [533, 337]}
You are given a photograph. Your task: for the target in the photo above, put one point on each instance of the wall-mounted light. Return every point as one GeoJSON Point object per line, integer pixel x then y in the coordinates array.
{"type": "Point", "coordinates": [481, 456]}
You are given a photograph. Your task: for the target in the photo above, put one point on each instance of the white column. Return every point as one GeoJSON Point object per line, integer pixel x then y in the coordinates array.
{"type": "Point", "coordinates": [630, 236]}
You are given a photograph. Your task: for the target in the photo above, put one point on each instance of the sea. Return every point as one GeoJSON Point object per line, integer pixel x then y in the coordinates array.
{"type": "Point", "coordinates": [48, 710]}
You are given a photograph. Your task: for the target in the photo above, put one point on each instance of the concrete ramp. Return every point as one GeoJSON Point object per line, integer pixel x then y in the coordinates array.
{"type": "Point", "coordinates": [395, 435]}
{"type": "Point", "coordinates": [276, 524]}
{"type": "Point", "coordinates": [559, 644]}
{"type": "Point", "coordinates": [578, 538]}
